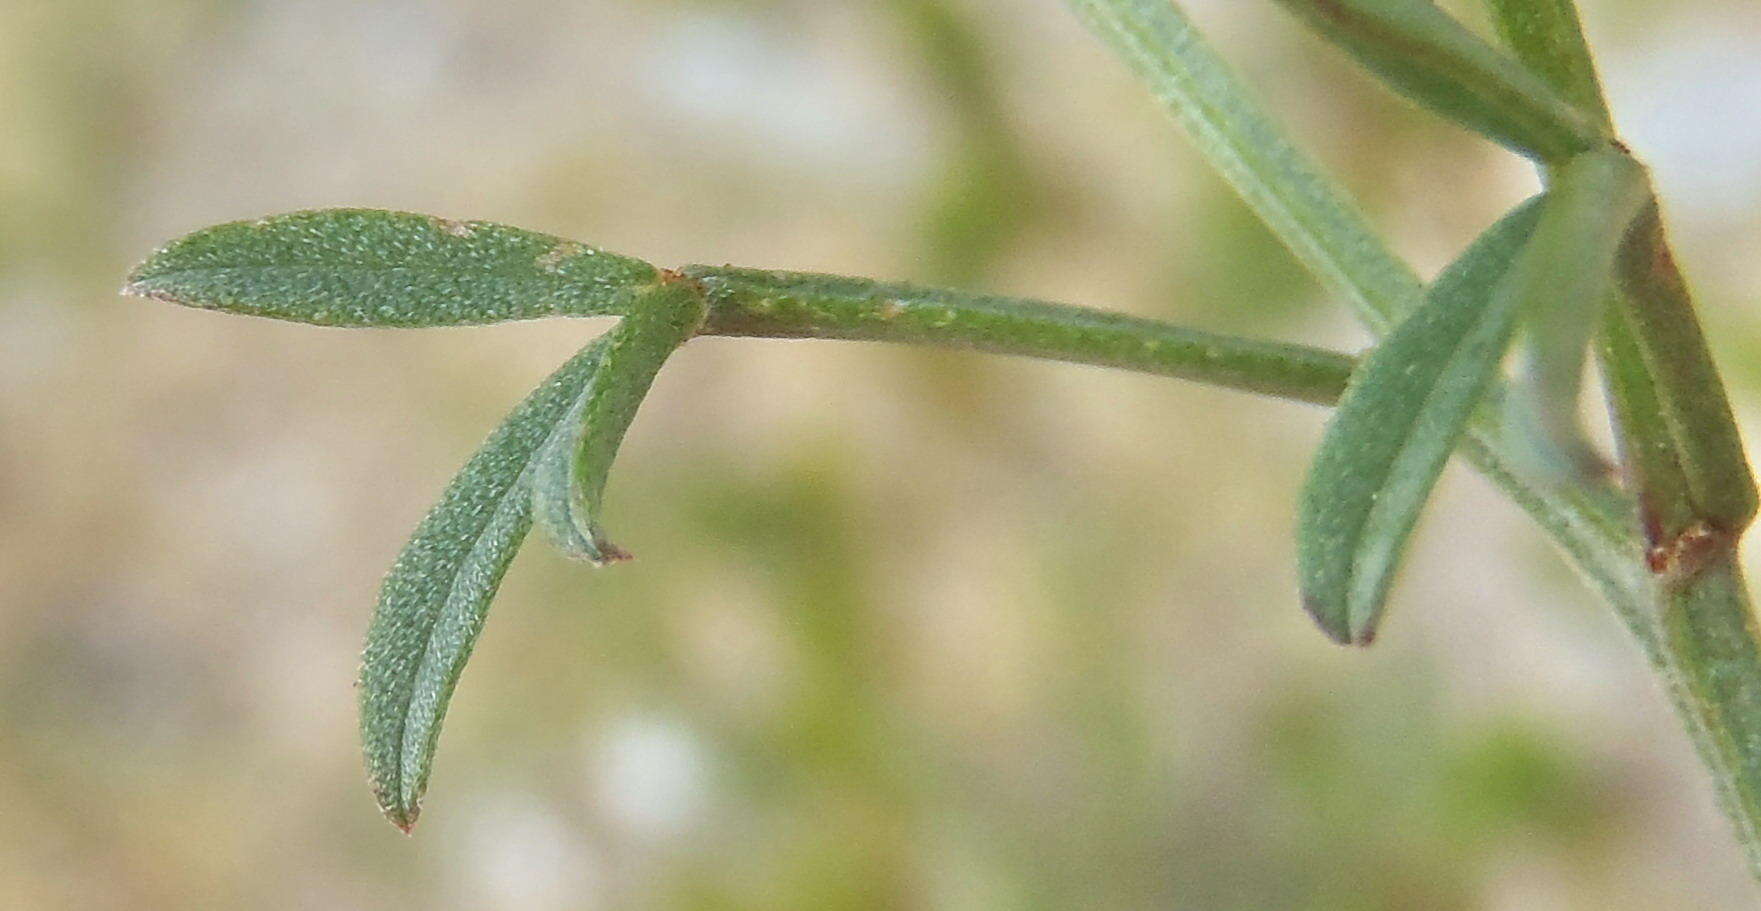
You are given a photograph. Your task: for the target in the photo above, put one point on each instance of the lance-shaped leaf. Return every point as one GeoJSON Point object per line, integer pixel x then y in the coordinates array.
{"type": "Point", "coordinates": [1406, 407]}
{"type": "Point", "coordinates": [434, 600]}
{"type": "Point", "coordinates": [1593, 200]}
{"type": "Point", "coordinates": [368, 267]}
{"type": "Point", "coordinates": [568, 480]}
{"type": "Point", "coordinates": [1547, 37]}
{"type": "Point", "coordinates": [1427, 55]}
{"type": "Point", "coordinates": [1689, 392]}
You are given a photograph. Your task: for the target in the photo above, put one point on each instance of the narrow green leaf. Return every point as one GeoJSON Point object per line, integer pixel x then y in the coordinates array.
{"type": "Point", "coordinates": [1643, 440]}
{"type": "Point", "coordinates": [1547, 37]}
{"type": "Point", "coordinates": [367, 267]}
{"type": "Point", "coordinates": [434, 600]}
{"type": "Point", "coordinates": [568, 481]}
{"type": "Point", "coordinates": [1688, 388]}
{"type": "Point", "coordinates": [1427, 55]}
{"type": "Point", "coordinates": [1406, 407]}
{"type": "Point", "coordinates": [1303, 205]}
{"type": "Point", "coordinates": [1593, 199]}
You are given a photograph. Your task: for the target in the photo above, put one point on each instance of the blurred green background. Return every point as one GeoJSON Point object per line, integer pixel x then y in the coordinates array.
{"type": "Point", "coordinates": [907, 629]}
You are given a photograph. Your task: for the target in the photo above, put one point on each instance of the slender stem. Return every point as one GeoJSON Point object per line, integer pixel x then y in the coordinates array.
{"type": "Point", "coordinates": [751, 302]}
{"type": "Point", "coordinates": [1681, 453]}
{"type": "Point", "coordinates": [1693, 624]}
{"type": "Point", "coordinates": [1709, 643]}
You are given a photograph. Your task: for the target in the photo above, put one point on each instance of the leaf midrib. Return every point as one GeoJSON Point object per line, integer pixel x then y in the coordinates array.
{"type": "Point", "coordinates": [509, 269]}
{"type": "Point", "coordinates": [1381, 504]}
{"type": "Point", "coordinates": [519, 486]}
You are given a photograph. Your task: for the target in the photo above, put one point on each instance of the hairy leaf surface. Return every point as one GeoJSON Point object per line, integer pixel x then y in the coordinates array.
{"type": "Point", "coordinates": [434, 600]}
{"type": "Point", "coordinates": [1406, 407]}
{"type": "Point", "coordinates": [369, 267]}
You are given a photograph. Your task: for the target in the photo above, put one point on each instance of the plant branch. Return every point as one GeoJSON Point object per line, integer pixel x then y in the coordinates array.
{"type": "Point", "coordinates": [1589, 523]}
{"type": "Point", "coordinates": [1681, 453]}
{"type": "Point", "coordinates": [1315, 218]}
{"type": "Point", "coordinates": [757, 303]}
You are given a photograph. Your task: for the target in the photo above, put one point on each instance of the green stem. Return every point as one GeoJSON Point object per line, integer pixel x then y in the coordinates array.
{"type": "Point", "coordinates": [1681, 454]}
{"type": "Point", "coordinates": [1698, 630]}
{"type": "Point", "coordinates": [1693, 622]}
{"type": "Point", "coordinates": [1711, 665]}
{"type": "Point", "coordinates": [752, 302]}
{"type": "Point", "coordinates": [1713, 669]}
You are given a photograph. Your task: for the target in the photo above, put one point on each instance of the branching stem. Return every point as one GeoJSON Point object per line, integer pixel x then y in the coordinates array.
{"type": "Point", "coordinates": [751, 302]}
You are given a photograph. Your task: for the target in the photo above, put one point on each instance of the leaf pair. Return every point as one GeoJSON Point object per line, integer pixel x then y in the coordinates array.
{"type": "Point", "coordinates": [1548, 263]}
{"type": "Point", "coordinates": [549, 459]}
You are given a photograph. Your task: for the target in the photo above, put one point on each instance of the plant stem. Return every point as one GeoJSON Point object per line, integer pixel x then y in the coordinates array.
{"type": "Point", "coordinates": [752, 302]}
{"type": "Point", "coordinates": [1696, 630]}
{"type": "Point", "coordinates": [1689, 613]}
{"type": "Point", "coordinates": [1681, 452]}
{"type": "Point", "coordinates": [1713, 669]}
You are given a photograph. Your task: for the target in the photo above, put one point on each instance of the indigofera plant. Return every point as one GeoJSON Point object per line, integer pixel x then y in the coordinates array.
{"type": "Point", "coordinates": [1580, 273]}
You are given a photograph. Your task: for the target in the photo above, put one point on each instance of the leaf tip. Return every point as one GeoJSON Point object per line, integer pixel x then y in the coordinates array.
{"type": "Point", "coordinates": [405, 821]}
{"type": "Point", "coordinates": [397, 809]}
{"type": "Point", "coordinates": [136, 286]}
{"type": "Point", "coordinates": [1334, 624]}
{"type": "Point", "coordinates": [609, 554]}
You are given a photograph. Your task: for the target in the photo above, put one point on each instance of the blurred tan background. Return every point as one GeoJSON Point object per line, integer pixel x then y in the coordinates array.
{"type": "Point", "coordinates": [907, 629]}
